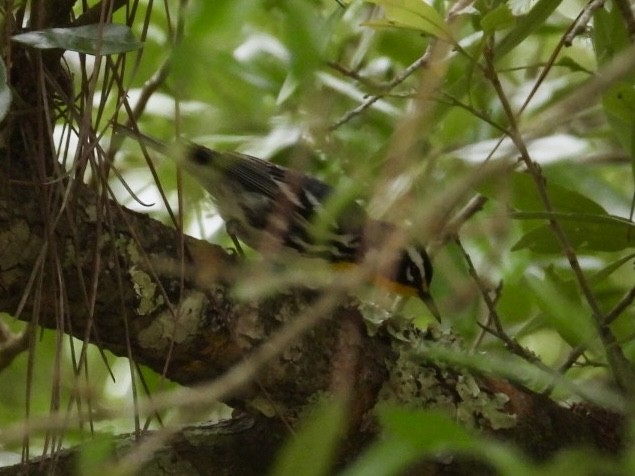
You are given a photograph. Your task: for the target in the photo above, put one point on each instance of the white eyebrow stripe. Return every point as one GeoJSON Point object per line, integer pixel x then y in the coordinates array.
{"type": "Point", "coordinates": [417, 259]}
{"type": "Point", "coordinates": [312, 199]}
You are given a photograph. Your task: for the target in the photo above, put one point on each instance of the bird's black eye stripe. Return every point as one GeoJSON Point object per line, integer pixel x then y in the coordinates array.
{"type": "Point", "coordinates": [427, 266]}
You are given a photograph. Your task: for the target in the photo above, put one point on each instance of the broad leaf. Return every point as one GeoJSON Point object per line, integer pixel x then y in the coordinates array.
{"type": "Point", "coordinates": [90, 39]}
{"type": "Point", "coordinates": [605, 272]}
{"type": "Point", "coordinates": [521, 191]}
{"type": "Point", "coordinates": [585, 232]}
{"type": "Point", "coordinates": [415, 15]}
{"type": "Point", "coordinates": [499, 18]}
{"type": "Point", "coordinates": [619, 104]}
{"type": "Point", "coordinates": [609, 39]}
{"type": "Point", "coordinates": [410, 435]}
{"type": "Point", "coordinates": [311, 450]}
{"type": "Point", "coordinates": [563, 308]}
{"type": "Point", "coordinates": [526, 25]}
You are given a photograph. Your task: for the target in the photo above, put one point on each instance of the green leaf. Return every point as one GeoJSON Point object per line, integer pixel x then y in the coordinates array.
{"type": "Point", "coordinates": [586, 233]}
{"type": "Point", "coordinates": [572, 65]}
{"type": "Point", "coordinates": [521, 190]}
{"type": "Point", "coordinates": [560, 302]}
{"type": "Point", "coordinates": [93, 453]}
{"type": "Point", "coordinates": [414, 15]}
{"type": "Point", "coordinates": [218, 19]}
{"type": "Point", "coordinates": [311, 450]}
{"type": "Point", "coordinates": [619, 104]}
{"type": "Point", "coordinates": [429, 431]}
{"type": "Point", "coordinates": [609, 39]}
{"type": "Point", "coordinates": [384, 458]}
{"type": "Point", "coordinates": [605, 272]}
{"type": "Point", "coordinates": [609, 34]}
{"type": "Point", "coordinates": [90, 39]}
{"type": "Point", "coordinates": [526, 25]}
{"type": "Point", "coordinates": [5, 92]}
{"type": "Point", "coordinates": [410, 435]}
{"type": "Point", "coordinates": [305, 37]}
{"type": "Point", "coordinates": [499, 18]}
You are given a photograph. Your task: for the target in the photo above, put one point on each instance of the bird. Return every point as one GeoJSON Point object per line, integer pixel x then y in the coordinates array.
{"type": "Point", "coordinates": [269, 206]}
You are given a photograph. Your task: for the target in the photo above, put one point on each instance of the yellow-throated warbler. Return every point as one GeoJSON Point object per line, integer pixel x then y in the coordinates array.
{"type": "Point", "coordinates": [263, 203]}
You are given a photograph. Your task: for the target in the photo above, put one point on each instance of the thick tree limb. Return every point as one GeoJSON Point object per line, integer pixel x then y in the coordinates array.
{"type": "Point", "coordinates": [206, 331]}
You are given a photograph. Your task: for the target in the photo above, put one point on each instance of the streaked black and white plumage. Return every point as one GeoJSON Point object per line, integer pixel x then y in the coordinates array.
{"type": "Point", "coordinates": [268, 206]}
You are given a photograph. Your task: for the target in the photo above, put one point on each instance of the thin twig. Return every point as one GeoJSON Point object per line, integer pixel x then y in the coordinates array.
{"type": "Point", "coordinates": [627, 14]}
{"type": "Point", "coordinates": [452, 101]}
{"type": "Point", "coordinates": [572, 358]}
{"type": "Point", "coordinates": [149, 88]}
{"type": "Point", "coordinates": [620, 307]}
{"type": "Point", "coordinates": [493, 317]}
{"type": "Point", "coordinates": [485, 327]}
{"type": "Point", "coordinates": [354, 75]}
{"type": "Point", "coordinates": [579, 26]}
{"type": "Point", "coordinates": [451, 229]}
{"type": "Point", "coordinates": [549, 64]}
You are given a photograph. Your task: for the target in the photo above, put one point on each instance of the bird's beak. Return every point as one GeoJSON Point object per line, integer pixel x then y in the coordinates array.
{"type": "Point", "coordinates": [429, 302]}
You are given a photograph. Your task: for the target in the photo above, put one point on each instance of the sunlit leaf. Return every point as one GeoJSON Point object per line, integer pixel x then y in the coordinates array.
{"type": "Point", "coordinates": [102, 39]}
{"type": "Point", "coordinates": [412, 14]}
